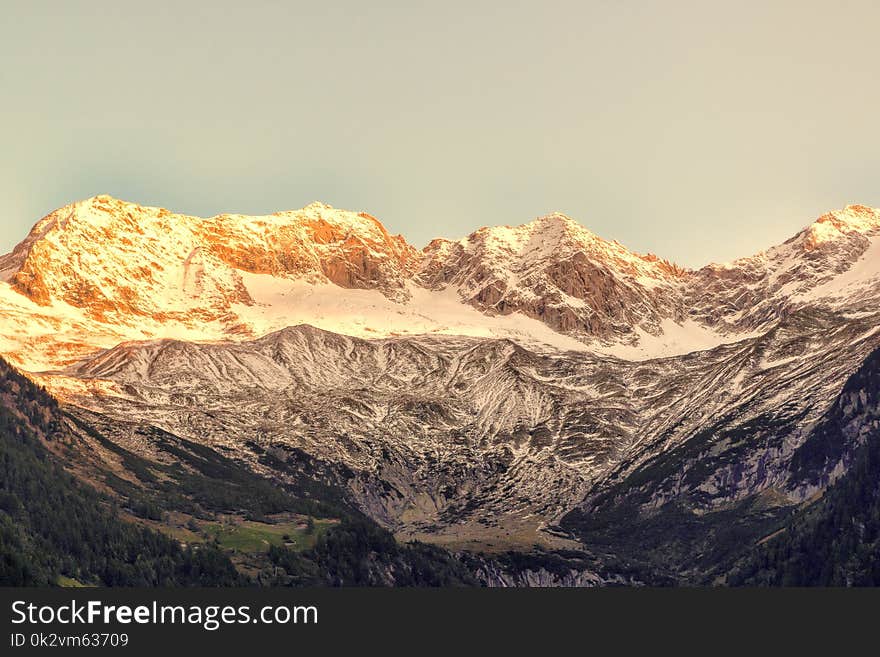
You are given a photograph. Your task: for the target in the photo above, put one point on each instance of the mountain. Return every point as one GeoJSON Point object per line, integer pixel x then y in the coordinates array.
{"type": "Point", "coordinates": [158, 273]}
{"type": "Point", "coordinates": [148, 252]}
{"type": "Point", "coordinates": [524, 386]}
{"type": "Point", "coordinates": [461, 437]}
{"type": "Point", "coordinates": [556, 271]}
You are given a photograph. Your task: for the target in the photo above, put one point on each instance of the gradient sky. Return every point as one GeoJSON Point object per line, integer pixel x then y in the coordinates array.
{"type": "Point", "coordinates": [700, 131]}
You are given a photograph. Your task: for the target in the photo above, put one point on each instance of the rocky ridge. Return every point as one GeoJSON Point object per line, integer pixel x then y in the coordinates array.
{"type": "Point", "coordinates": [102, 271]}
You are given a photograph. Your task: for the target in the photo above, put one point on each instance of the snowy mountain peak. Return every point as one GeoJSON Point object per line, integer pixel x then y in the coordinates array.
{"type": "Point", "coordinates": [558, 221]}
{"type": "Point", "coordinates": [317, 206]}
{"type": "Point", "coordinates": [832, 226]}
{"type": "Point", "coordinates": [123, 252]}
{"type": "Point", "coordinates": [555, 270]}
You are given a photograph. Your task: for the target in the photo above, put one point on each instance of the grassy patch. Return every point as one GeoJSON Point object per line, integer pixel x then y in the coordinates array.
{"type": "Point", "coordinates": [181, 534]}
{"type": "Point", "coordinates": [69, 583]}
{"type": "Point", "coordinates": [251, 536]}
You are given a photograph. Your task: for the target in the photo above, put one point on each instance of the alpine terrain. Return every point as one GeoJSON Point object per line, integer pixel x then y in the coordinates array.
{"type": "Point", "coordinates": [303, 398]}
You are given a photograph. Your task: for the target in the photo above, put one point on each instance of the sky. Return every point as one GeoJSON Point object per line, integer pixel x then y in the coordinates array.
{"type": "Point", "coordinates": [700, 131]}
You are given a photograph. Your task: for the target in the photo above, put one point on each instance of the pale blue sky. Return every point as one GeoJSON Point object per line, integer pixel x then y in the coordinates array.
{"type": "Point", "coordinates": [697, 130]}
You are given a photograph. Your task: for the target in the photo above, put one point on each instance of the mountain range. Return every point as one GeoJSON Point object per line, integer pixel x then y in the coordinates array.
{"type": "Point", "coordinates": [545, 405]}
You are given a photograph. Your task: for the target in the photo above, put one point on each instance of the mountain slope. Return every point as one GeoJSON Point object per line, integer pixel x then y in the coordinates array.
{"type": "Point", "coordinates": [833, 263]}
{"type": "Point", "coordinates": [461, 439]}
{"type": "Point", "coordinates": [836, 541]}
{"type": "Point", "coordinates": [53, 526]}
{"type": "Point", "coordinates": [693, 512]}
{"type": "Point", "coordinates": [108, 524]}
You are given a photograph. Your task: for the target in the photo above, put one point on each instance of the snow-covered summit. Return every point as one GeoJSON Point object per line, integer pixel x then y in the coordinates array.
{"type": "Point", "coordinates": [101, 271]}
{"type": "Point", "coordinates": [107, 255]}
{"type": "Point", "coordinates": [554, 269]}
{"type": "Point", "coordinates": [838, 223]}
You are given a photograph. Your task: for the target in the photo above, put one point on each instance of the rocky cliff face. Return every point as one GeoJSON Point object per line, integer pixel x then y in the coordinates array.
{"type": "Point", "coordinates": [316, 243]}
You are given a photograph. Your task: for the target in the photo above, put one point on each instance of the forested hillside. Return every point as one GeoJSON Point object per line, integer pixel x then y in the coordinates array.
{"type": "Point", "coordinates": [834, 542]}
{"type": "Point", "coordinates": [52, 526]}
